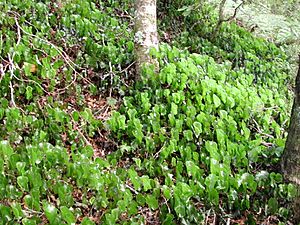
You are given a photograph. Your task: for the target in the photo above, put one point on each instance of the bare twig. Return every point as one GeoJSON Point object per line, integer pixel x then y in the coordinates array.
{"type": "Point", "coordinates": [166, 201]}
{"type": "Point", "coordinates": [61, 52]}
{"type": "Point", "coordinates": [158, 152]}
{"type": "Point", "coordinates": [11, 70]}
{"type": "Point", "coordinates": [19, 34]}
{"type": "Point", "coordinates": [111, 73]}
{"type": "Point", "coordinates": [132, 189]}
{"type": "Point", "coordinates": [130, 65]}
{"type": "Point", "coordinates": [228, 221]}
{"type": "Point", "coordinates": [267, 144]}
{"type": "Point", "coordinates": [64, 55]}
{"type": "Point", "coordinates": [215, 219]}
{"type": "Point", "coordinates": [260, 131]}
{"type": "Point", "coordinates": [207, 217]}
{"type": "Point", "coordinates": [29, 211]}
{"type": "Point", "coordinates": [222, 17]}
{"type": "Point", "coordinates": [2, 73]}
{"type": "Point", "coordinates": [79, 131]}
{"type": "Point", "coordinates": [235, 12]}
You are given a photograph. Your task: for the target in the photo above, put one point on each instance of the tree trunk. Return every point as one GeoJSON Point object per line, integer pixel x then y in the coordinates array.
{"type": "Point", "coordinates": [146, 36]}
{"type": "Point", "coordinates": [291, 156]}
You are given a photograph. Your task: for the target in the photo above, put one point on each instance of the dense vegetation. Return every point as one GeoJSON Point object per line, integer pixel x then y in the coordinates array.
{"type": "Point", "coordinates": [81, 143]}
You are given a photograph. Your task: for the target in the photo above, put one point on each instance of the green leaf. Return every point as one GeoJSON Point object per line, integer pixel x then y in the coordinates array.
{"type": "Point", "coordinates": [146, 182]}
{"type": "Point", "coordinates": [134, 177]}
{"type": "Point", "coordinates": [217, 101]}
{"type": "Point", "coordinates": [122, 122]}
{"type": "Point", "coordinates": [213, 196]}
{"type": "Point", "coordinates": [50, 212]}
{"type": "Point", "coordinates": [197, 127]}
{"type": "Point", "coordinates": [230, 102]}
{"type": "Point", "coordinates": [192, 169]}
{"type": "Point", "coordinates": [132, 208]}
{"type": "Point", "coordinates": [23, 182]}
{"type": "Point", "coordinates": [27, 221]}
{"type": "Point", "coordinates": [5, 149]}
{"type": "Point", "coordinates": [273, 205]}
{"type": "Point", "coordinates": [17, 210]}
{"type": "Point", "coordinates": [188, 134]}
{"type": "Point", "coordinates": [221, 137]}
{"type": "Point", "coordinates": [174, 108]}
{"type": "Point", "coordinates": [21, 166]}
{"type": "Point", "coordinates": [152, 201]}
{"type": "Point", "coordinates": [5, 214]}
{"type": "Point", "coordinates": [67, 215]}
{"type": "Point", "coordinates": [111, 101]}
{"type": "Point", "coordinates": [28, 92]}
{"type": "Point", "coordinates": [167, 192]}
{"type": "Point", "coordinates": [292, 191]}
{"type": "Point", "coordinates": [168, 219]}
{"type": "Point", "coordinates": [87, 221]}
{"type": "Point", "coordinates": [75, 115]}
{"type": "Point", "coordinates": [112, 217]}
{"type": "Point", "coordinates": [179, 208]}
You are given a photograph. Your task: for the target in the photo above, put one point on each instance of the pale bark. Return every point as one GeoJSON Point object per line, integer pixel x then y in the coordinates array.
{"type": "Point", "coordinates": [146, 36]}
{"type": "Point", "coordinates": [291, 155]}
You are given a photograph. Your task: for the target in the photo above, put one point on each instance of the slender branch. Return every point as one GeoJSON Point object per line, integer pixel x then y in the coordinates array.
{"type": "Point", "coordinates": [132, 189]}
{"type": "Point", "coordinates": [11, 70]}
{"type": "Point", "coordinates": [64, 55]}
{"type": "Point", "coordinates": [2, 73]}
{"type": "Point", "coordinates": [235, 12]}
{"type": "Point", "coordinates": [222, 17]}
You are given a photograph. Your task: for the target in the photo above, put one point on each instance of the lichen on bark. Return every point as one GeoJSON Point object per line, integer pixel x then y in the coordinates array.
{"type": "Point", "coordinates": [146, 36]}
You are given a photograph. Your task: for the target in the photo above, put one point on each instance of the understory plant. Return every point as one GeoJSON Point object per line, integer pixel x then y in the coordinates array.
{"type": "Point", "coordinates": [81, 143]}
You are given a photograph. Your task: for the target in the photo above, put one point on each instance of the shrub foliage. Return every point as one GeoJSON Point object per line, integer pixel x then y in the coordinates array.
{"type": "Point", "coordinates": [203, 137]}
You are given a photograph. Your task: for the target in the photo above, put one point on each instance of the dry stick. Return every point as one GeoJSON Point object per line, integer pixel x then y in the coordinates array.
{"type": "Point", "coordinates": [127, 67]}
{"type": "Point", "coordinates": [11, 69]}
{"type": "Point", "coordinates": [111, 74]}
{"type": "Point", "coordinates": [166, 201]}
{"type": "Point", "coordinates": [31, 211]}
{"type": "Point", "coordinates": [207, 216]}
{"type": "Point", "coordinates": [221, 19]}
{"type": "Point", "coordinates": [19, 35]}
{"type": "Point", "coordinates": [79, 131]}
{"type": "Point", "coordinates": [289, 42]}
{"type": "Point", "coordinates": [13, 66]}
{"type": "Point", "coordinates": [132, 189]}
{"type": "Point", "coordinates": [157, 153]}
{"type": "Point", "coordinates": [215, 219]}
{"type": "Point", "coordinates": [260, 131]}
{"type": "Point", "coordinates": [228, 221]}
{"type": "Point", "coordinates": [61, 52]}
{"type": "Point", "coordinates": [2, 72]}
{"type": "Point", "coordinates": [125, 70]}
{"type": "Point", "coordinates": [32, 81]}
